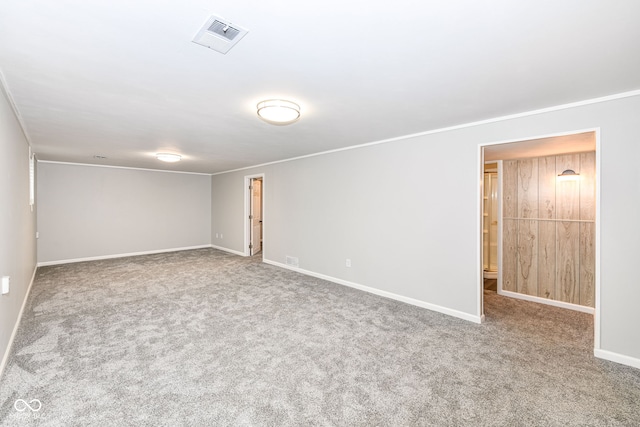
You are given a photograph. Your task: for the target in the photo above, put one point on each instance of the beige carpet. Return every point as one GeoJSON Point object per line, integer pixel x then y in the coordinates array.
{"type": "Point", "coordinates": [204, 338]}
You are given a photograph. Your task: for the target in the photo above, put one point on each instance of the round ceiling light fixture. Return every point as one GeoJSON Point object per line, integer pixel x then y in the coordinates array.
{"type": "Point", "coordinates": [278, 112]}
{"type": "Point", "coordinates": [166, 157]}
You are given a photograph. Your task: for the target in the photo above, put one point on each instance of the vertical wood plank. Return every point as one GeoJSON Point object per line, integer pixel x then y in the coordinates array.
{"type": "Point", "coordinates": [547, 187]}
{"type": "Point", "coordinates": [547, 259]}
{"type": "Point", "coordinates": [528, 188]}
{"type": "Point", "coordinates": [527, 279]}
{"type": "Point", "coordinates": [509, 254]}
{"type": "Point", "coordinates": [510, 188]}
{"type": "Point", "coordinates": [510, 226]}
{"type": "Point", "coordinates": [567, 192]}
{"type": "Point", "coordinates": [567, 256]}
{"type": "Point", "coordinates": [588, 186]}
{"type": "Point", "coordinates": [587, 263]}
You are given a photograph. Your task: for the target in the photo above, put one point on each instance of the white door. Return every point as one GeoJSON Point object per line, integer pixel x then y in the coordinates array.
{"type": "Point", "coordinates": [256, 216]}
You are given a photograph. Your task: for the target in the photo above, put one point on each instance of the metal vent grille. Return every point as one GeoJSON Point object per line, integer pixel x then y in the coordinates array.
{"type": "Point", "coordinates": [223, 30]}
{"type": "Point", "coordinates": [218, 34]}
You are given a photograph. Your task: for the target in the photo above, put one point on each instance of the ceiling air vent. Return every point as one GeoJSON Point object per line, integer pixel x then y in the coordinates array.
{"type": "Point", "coordinates": [219, 34]}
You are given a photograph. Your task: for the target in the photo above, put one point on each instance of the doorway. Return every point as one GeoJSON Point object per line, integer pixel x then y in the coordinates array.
{"type": "Point", "coordinates": [255, 242]}
{"type": "Point", "coordinates": [254, 215]}
{"type": "Point", "coordinates": [532, 264]}
{"type": "Point", "coordinates": [490, 224]}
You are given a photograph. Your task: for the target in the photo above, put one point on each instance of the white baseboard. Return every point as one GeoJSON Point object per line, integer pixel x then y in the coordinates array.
{"type": "Point", "coordinates": [390, 295]}
{"type": "Point", "coordinates": [98, 258]}
{"type": "Point", "coordinates": [231, 251]}
{"type": "Point", "coordinates": [5, 357]}
{"type": "Point", "coordinates": [561, 304]}
{"type": "Point", "coordinates": [618, 358]}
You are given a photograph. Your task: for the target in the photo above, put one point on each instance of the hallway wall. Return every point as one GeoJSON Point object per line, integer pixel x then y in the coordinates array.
{"type": "Point", "coordinates": [549, 228]}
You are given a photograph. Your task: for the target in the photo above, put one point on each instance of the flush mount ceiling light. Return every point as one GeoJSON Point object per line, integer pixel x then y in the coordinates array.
{"type": "Point", "coordinates": [569, 175]}
{"type": "Point", "coordinates": [278, 111]}
{"type": "Point", "coordinates": [166, 157]}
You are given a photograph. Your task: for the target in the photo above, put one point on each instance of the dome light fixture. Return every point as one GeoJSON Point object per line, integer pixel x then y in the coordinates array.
{"type": "Point", "coordinates": [166, 157]}
{"type": "Point", "coordinates": [278, 112]}
{"type": "Point", "coordinates": [569, 175]}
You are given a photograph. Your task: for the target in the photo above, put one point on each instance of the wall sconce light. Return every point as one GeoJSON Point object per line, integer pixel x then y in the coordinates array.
{"type": "Point", "coordinates": [568, 175]}
{"type": "Point", "coordinates": [166, 157]}
{"type": "Point", "coordinates": [278, 112]}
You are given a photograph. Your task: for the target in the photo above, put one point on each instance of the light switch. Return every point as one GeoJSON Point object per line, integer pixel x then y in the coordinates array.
{"type": "Point", "coordinates": [5, 285]}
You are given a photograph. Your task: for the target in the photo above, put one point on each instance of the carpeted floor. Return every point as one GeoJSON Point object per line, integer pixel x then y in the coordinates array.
{"type": "Point", "coordinates": [205, 338]}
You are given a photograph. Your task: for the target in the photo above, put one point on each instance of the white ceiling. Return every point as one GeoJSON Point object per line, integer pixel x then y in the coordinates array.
{"type": "Point", "coordinates": [122, 79]}
{"type": "Point", "coordinates": [551, 146]}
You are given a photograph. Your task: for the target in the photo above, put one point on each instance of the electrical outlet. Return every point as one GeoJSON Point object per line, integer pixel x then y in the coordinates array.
{"type": "Point", "coordinates": [348, 263]}
{"type": "Point", "coordinates": [221, 236]}
{"type": "Point", "coordinates": [5, 285]}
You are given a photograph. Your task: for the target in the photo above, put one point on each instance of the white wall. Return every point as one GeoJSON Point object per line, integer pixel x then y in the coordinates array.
{"type": "Point", "coordinates": [227, 211]}
{"type": "Point", "coordinates": [92, 212]}
{"type": "Point", "coordinates": [17, 223]}
{"type": "Point", "coordinates": [374, 205]}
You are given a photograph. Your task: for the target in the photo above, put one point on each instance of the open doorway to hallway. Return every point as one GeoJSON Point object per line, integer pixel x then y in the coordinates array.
{"type": "Point", "coordinates": [547, 246]}
{"type": "Point", "coordinates": [255, 244]}
{"type": "Point", "coordinates": [490, 223]}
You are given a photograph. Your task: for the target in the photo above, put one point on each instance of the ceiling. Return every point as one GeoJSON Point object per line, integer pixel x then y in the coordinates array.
{"type": "Point", "coordinates": [123, 79]}
{"type": "Point", "coordinates": [540, 147]}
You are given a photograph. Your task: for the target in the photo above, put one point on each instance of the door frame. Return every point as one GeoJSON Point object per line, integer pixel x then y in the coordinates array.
{"type": "Point", "coordinates": [247, 213]}
{"type": "Point", "coordinates": [480, 195]}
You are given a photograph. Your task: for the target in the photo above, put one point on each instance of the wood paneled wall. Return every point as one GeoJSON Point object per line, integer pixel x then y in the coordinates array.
{"type": "Point", "coordinates": [548, 229]}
